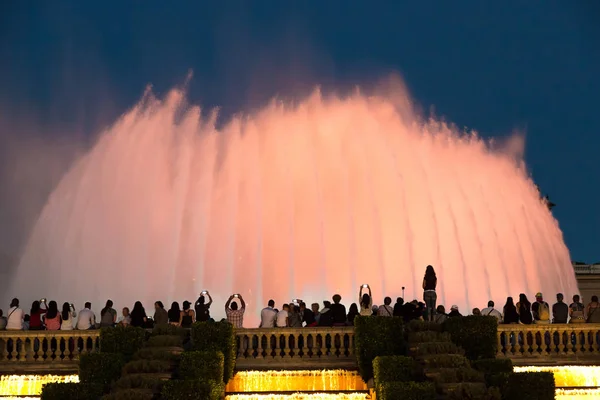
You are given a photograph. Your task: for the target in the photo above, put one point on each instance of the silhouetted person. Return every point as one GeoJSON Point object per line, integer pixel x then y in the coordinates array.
{"type": "Point", "coordinates": [326, 317]}
{"type": "Point", "coordinates": [108, 315]}
{"type": "Point", "coordinates": [560, 310]}
{"type": "Point", "coordinates": [161, 316]}
{"type": "Point", "coordinates": [202, 308]}
{"type": "Point", "coordinates": [174, 314]}
{"type": "Point", "coordinates": [398, 307]}
{"type": "Point", "coordinates": [186, 318]}
{"type": "Point", "coordinates": [524, 310]}
{"type": "Point", "coordinates": [138, 315]}
{"type": "Point", "coordinates": [308, 317]}
{"type": "Point", "coordinates": [352, 313]}
{"type": "Point", "coordinates": [577, 311]}
{"type": "Point", "coordinates": [338, 311]}
{"type": "Point", "coordinates": [440, 315]}
{"type": "Point", "coordinates": [268, 316]}
{"type": "Point", "coordinates": [386, 309]}
{"type": "Point", "coordinates": [511, 316]}
{"type": "Point", "coordinates": [235, 314]}
{"type": "Point", "coordinates": [454, 312]}
{"type": "Point", "coordinates": [429, 294]}
{"type": "Point", "coordinates": [365, 301]}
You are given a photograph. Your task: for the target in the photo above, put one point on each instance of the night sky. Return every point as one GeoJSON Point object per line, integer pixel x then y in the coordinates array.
{"type": "Point", "coordinates": [67, 69]}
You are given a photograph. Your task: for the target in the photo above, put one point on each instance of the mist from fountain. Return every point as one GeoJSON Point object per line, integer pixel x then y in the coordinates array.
{"type": "Point", "coordinates": [292, 201]}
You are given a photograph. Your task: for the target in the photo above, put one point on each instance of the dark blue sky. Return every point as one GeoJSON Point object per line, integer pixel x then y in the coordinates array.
{"type": "Point", "coordinates": [492, 66]}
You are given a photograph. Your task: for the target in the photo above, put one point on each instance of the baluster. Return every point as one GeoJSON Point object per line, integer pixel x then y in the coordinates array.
{"type": "Point", "coordinates": [499, 353]}
{"type": "Point", "coordinates": [594, 340]}
{"type": "Point", "coordinates": [350, 348]}
{"type": "Point", "coordinates": [3, 349]}
{"type": "Point", "coordinates": [287, 345]}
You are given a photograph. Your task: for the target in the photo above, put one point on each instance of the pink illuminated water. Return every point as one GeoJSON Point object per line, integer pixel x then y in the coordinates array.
{"type": "Point", "coordinates": [292, 202]}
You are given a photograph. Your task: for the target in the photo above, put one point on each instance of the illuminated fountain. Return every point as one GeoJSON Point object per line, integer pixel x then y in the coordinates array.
{"type": "Point", "coordinates": [300, 396]}
{"type": "Point", "coordinates": [30, 385]}
{"type": "Point", "coordinates": [290, 381]}
{"type": "Point", "coordinates": [292, 202]}
{"type": "Point", "coordinates": [582, 381]}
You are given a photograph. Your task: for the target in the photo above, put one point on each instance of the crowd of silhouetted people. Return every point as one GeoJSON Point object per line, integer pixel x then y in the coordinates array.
{"type": "Point", "coordinates": [46, 315]}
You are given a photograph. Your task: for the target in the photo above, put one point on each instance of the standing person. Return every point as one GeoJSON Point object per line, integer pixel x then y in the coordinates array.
{"type": "Point", "coordinates": [87, 318]}
{"type": "Point", "coordinates": [138, 315]}
{"type": "Point", "coordinates": [541, 310]}
{"type": "Point", "coordinates": [174, 314]}
{"type": "Point", "coordinates": [490, 311]}
{"type": "Point", "coordinates": [593, 311]}
{"type": "Point", "coordinates": [108, 315]}
{"type": "Point", "coordinates": [268, 315]}
{"type": "Point", "coordinates": [235, 314]}
{"type": "Point", "coordinates": [186, 318]}
{"type": "Point", "coordinates": [365, 300]}
{"type": "Point", "coordinates": [524, 310]}
{"type": "Point", "coordinates": [35, 316]}
{"type": "Point", "coordinates": [511, 315]}
{"type": "Point", "coordinates": [338, 311]}
{"type": "Point", "coordinates": [576, 311]}
{"type": "Point", "coordinates": [386, 309]}
{"type": "Point", "coordinates": [429, 294]}
{"type": "Point", "coordinates": [560, 310]}
{"type": "Point", "coordinates": [67, 314]}
{"type": "Point", "coordinates": [161, 317]}
{"type": "Point", "coordinates": [283, 317]}
{"type": "Point", "coordinates": [202, 308]}
{"type": "Point", "coordinates": [52, 319]}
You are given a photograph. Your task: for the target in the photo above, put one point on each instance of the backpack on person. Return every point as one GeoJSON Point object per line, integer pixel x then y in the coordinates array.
{"type": "Point", "coordinates": [544, 311]}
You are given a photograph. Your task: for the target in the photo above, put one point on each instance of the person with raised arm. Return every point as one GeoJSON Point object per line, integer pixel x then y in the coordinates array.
{"type": "Point", "coordinates": [365, 300]}
{"type": "Point", "coordinates": [235, 314]}
{"type": "Point", "coordinates": [202, 308]}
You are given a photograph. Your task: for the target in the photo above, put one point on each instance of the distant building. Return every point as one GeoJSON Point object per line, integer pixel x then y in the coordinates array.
{"type": "Point", "coordinates": [588, 280]}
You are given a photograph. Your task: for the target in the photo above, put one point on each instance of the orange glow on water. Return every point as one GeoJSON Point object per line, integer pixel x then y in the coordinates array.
{"type": "Point", "coordinates": [27, 385]}
{"type": "Point", "coordinates": [290, 381]}
{"type": "Point", "coordinates": [301, 396]}
{"type": "Point", "coordinates": [293, 202]}
{"type": "Point", "coordinates": [569, 376]}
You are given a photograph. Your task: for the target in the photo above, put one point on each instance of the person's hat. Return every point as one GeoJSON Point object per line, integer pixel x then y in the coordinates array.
{"type": "Point", "coordinates": [538, 294]}
{"type": "Point", "coordinates": [454, 307]}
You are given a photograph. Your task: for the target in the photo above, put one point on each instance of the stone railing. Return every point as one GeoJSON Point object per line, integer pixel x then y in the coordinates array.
{"type": "Point", "coordinates": [551, 343]}
{"type": "Point", "coordinates": [29, 350]}
{"type": "Point", "coordinates": [295, 348]}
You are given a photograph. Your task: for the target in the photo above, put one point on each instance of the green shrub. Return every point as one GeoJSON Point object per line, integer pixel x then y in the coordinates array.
{"type": "Point", "coordinates": [417, 325]}
{"type": "Point", "coordinates": [125, 340]}
{"type": "Point", "coordinates": [216, 336]}
{"type": "Point", "coordinates": [100, 368]}
{"type": "Point", "coordinates": [164, 341]}
{"type": "Point", "coordinates": [170, 330]}
{"type": "Point", "coordinates": [375, 337]}
{"type": "Point", "coordinates": [130, 394]}
{"type": "Point", "coordinates": [530, 386]}
{"type": "Point", "coordinates": [147, 367]}
{"type": "Point", "coordinates": [395, 369]}
{"type": "Point", "coordinates": [428, 336]}
{"type": "Point", "coordinates": [204, 365]}
{"type": "Point", "coordinates": [428, 348]}
{"type": "Point", "coordinates": [446, 361]}
{"type": "Point", "coordinates": [496, 371]}
{"type": "Point", "coordinates": [193, 390]}
{"type": "Point", "coordinates": [153, 353]}
{"type": "Point", "coordinates": [463, 330]}
{"type": "Point", "coordinates": [457, 375]}
{"type": "Point", "coordinates": [407, 391]}
{"type": "Point", "coordinates": [71, 391]}
{"type": "Point", "coordinates": [468, 390]}
{"type": "Point", "coordinates": [139, 381]}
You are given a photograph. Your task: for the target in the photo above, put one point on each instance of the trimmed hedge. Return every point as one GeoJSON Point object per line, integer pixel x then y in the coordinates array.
{"type": "Point", "coordinates": [453, 375]}
{"type": "Point", "coordinates": [71, 391]}
{"type": "Point", "coordinates": [216, 336]}
{"type": "Point", "coordinates": [417, 325]}
{"type": "Point", "coordinates": [125, 340]}
{"type": "Point", "coordinates": [147, 367]}
{"type": "Point", "coordinates": [462, 330]}
{"type": "Point", "coordinates": [100, 369]}
{"type": "Point", "coordinates": [170, 330]}
{"type": "Point", "coordinates": [407, 391]}
{"type": "Point", "coordinates": [202, 365]}
{"type": "Point", "coordinates": [428, 348]}
{"type": "Point", "coordinates": [193, 390]}
{"type": "Point", "coordinates": [429, 337]}
{"type": "Point", "coordinates": [395, 369]}
{"type": "Point", "coordinates": [373, 337]}
{"type": "Point", "coordinates": [154, 353]}
{"type": "Point", "coordinates": [446, 361]}
{"type": "Point", "coordinates": [139, 381]}
{"type": "Point", "coordinates": [496, 371]}
{"type": "Point", "coordinates": [473, 391]}
{"type": "Point", "coordinates": [530, 386]}
{"type": "Point", "coordinates": [164, 341]}
{"type": "Point", "coordinates": [130, 394]}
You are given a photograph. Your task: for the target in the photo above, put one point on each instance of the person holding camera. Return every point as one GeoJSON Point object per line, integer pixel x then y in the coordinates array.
{"type": "Point", "coordinates": [202, 308]}
{"type": "Point", "coordinates": [35, 316]}
{"type": "Point", "coordinates": [235, 313]}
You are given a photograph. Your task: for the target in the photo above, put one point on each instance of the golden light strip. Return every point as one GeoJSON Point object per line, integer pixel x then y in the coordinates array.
{"type": "Point", "coordinates": [577, 394]}
{"type": "Point", "coordinates": [27, 385]}
{"type": "Point", "coordinates": [569, 376]}
{"type": "Point", "coordinates": [290, 381]}
{"type": "Point", "coordinates": [300, 396]}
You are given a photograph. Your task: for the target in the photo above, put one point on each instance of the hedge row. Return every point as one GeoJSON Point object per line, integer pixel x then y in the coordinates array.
{"type": "Point", "coordinates": [216, 337]}
{"type": "Point", "coordinates": [485, 329]}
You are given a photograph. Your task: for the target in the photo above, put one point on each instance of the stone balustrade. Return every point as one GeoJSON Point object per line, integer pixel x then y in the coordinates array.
{"type": "Point", "coordinates": [304, 348]}
{"type": "Point", "coordinates": [293, 348]}
{"type": "Point", "coordinates": [549, 343]}
{"type": "Point", "coordinates": [45, 350]}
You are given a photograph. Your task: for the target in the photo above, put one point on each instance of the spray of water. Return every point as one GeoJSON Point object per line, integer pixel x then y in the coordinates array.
{"type": "Point", "coordinates": [292, 201]}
